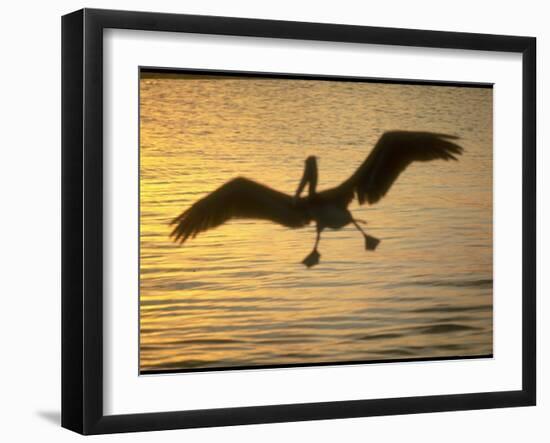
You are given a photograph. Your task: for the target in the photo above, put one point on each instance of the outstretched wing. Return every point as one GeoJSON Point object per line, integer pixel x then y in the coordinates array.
{"type": "Point", "coordinates": [393, 152]}
{"type": "Point", "coordinates": [238, 198]}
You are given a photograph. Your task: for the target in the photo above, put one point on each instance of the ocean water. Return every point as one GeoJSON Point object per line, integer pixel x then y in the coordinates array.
{"type": "Point", "coordinates": [239, 296]}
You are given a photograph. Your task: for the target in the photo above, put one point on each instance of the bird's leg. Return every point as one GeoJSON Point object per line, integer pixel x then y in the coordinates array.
{"type": "Point", "coordinates": [313, 258]}
{"type": "Point", "coordinates": [370, 242]}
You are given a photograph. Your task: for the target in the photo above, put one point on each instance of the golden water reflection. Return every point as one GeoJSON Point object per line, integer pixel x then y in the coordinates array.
{"type": "Point", "coordinates": [238, 295]}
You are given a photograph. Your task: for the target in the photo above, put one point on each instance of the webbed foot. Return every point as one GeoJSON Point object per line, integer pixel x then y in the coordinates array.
{"type": "Point", "coordinates": [371, 242]}
{"type": "Point", "coordinates": [312, 259]}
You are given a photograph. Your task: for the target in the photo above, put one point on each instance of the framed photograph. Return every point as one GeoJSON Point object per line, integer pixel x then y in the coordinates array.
{"type": "Point", "coordinates": [268, 221]}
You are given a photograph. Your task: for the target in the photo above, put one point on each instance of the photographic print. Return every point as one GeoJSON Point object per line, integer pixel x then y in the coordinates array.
{"type": "Point", "coordinates": [299, 221]}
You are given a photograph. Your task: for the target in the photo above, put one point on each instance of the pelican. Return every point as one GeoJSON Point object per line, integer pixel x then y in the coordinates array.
{"type": "Point", "coordinates": [241, 198]}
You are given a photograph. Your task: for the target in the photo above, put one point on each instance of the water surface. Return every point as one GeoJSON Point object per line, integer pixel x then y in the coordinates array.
{"type": "Point", "coordinates": [239, 296]}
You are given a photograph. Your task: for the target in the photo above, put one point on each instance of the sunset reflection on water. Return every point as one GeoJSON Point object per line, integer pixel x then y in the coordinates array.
{"type": "Point", "coordinates": [239, 296]}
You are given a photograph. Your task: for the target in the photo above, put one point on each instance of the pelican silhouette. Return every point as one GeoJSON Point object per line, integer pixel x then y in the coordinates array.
{"type": "Point", "coordinates": [242, 198]}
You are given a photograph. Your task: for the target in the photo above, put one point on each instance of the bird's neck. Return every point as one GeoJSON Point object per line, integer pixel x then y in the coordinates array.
{"type": "Point", "coordinates": [309, 177]}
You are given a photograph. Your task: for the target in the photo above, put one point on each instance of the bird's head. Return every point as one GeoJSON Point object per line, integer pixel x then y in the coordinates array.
{"type": "Point", "coordinates": [310, 173]}
{"type": "Point", "coordinates": [309, 176]}
{"type": "Point", "coordinates": [311, 160]}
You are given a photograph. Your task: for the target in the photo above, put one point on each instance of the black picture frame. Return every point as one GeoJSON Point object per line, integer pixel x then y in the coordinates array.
{"type": "Point", "coordinates": [82, 220]}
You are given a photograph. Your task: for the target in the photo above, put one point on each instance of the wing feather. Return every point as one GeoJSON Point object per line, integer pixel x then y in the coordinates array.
{"type": "Point", "coordinates": [239, 198]}
{"type": "Point", "coordinates": [393, 153]}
